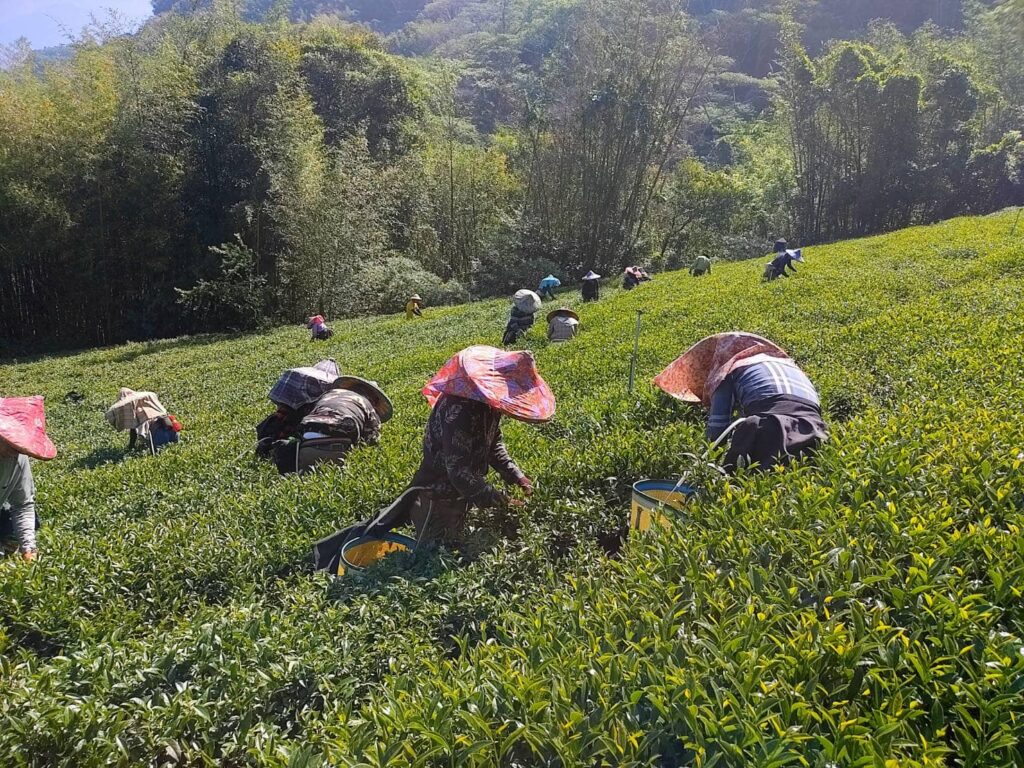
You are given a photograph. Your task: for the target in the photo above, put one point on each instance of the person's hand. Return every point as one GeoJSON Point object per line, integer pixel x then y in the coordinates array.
{"type": "Point", "coordinates": [526, 484]}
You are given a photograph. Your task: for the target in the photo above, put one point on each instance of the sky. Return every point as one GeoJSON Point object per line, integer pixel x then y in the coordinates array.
{"type": "Point", "coordinates": [42, 21]}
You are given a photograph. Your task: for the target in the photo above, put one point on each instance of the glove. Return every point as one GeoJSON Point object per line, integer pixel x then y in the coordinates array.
{"type": "Point", "coordinates": [526, 484]}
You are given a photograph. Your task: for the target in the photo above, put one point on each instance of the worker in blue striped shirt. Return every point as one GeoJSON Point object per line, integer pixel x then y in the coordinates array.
{"type": "Point", "coordinates": [737, 371]}
{"type": "Point", "coordinates": [746, 388]}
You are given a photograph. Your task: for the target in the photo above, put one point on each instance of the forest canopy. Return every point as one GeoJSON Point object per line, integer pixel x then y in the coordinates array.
{"type": "Point", "coordinates": [239, 163]}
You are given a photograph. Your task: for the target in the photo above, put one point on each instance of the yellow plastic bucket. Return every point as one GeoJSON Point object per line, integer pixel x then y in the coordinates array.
{"type": "Point", "coordinates": [364, 551]}
{"type": "Point", "coordinates": [657, 501]}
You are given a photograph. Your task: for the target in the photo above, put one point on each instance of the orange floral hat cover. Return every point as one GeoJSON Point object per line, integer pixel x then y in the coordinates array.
{"type": "Point", "coordinates": [507, 381]}
{"type": "Point", "coordinates": [694, 376]}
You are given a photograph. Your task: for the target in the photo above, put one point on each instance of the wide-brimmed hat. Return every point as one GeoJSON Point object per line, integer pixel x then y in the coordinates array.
{"type": "Point", "coordinates": [564, 312]}
{"type": "Point", "coordinates": [371, 391]}
{"type": "Point", "coordinates": [23, 426]}
{"type": "Point", "coordinates": [694, 376]}
{"type": "Point", "coordinates": [415, 297]}
{"type": "Point", "coordinates": [780, 245]}
{"type": "Point", "coordinates": [591, 275]}
{"type": "Point", "coordinates": [527, 301]}
{"type": "Point", "coordinates": [133, 409]}
{"type": "Point", "coordinates": [506, 381]}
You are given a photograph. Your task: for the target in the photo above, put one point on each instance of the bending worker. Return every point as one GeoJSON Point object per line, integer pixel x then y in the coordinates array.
{"type": "Point", "coordinates": [525, 304]}
{"type": "Point", "coordinates": [469, 396]}
{"type": "Point", "coordinates": [742, 372]}
{"type": "Point", "coordinates": [591, 288]}
{"type": "Point", "coordinates": [412, 307]}
{"type": "Point", "coordinates": [318, 330]}
{"type": "Point", "coordinates": [563, 324]}
{"type": "Point", "coordinates": [22, 435]}
{"type": "Point", "coordinates": [783, 260]}
{"type": "Point", "coordinates": [701, 266]}
{"type": "Point", "coordinates": [348, 415]}
{"type": "Point", "coordinates": [547, 286]}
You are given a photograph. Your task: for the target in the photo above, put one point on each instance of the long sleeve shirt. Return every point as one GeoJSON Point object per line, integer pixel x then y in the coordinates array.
{"type": "Point", "coordinates": [463, 438]}
{"type": "Point", "coordinates": [18, 490]}
{"type": "Point", "coordinates": [746, 386]}
{"type": "Point", "coordinates": [781, 262]}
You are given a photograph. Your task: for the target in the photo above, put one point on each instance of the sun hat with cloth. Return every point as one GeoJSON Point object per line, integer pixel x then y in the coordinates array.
{"type": "Point", "coordinates": [549, 282]}
{"type": "Point", "coordinates": [694, 376]}
{"type": "Point", "coordinates": [415, 297]}
{"type": "Point", "coordinates": [798, 255]}
{"type": "Point", "coordinates": [527, 301]}
{"type": "Point", "coordinates": [591, 275]}
{"type": "Point", "coordinates": [23, 427]}
{"type": "Point", "coordinates": [299, 386]}
{"type": "Point", "coordinates": [506, 381]}
{"type": "Point", "coordinates": [562, 312]}
{"type": "Point", "coordinates": [371, 391]}
{"type": "Point", "coordinates": [133, 409]}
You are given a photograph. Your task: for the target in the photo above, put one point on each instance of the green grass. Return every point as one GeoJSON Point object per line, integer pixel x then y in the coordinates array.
{"type": "Point", "coordinates": [864, 610]}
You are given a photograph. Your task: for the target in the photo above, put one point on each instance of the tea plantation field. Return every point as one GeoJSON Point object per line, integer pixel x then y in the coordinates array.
{"type": "Point", "coordinates": [864, 610]}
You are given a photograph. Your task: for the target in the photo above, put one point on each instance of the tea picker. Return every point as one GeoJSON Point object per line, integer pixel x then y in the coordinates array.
{"type": "Point", "coordinates": [318, 330]}
{"type": "Point", "coordinates": [547, 286]}
{"type": "Point", "coordinates": [563, 325]}
{"type": "Point", "coordinates": [742, 372]}
{"type": "Point", "coordinates": [468, 397]}
{"type": "Point", "coordinates": [525, 304]}
{"type": "Point", "coordinates": [782, 261]}
{"type": "Point", "coordinates": [144, 417]}
{"type": "Point", "coordinates": [349, 414]}
{"type": "Point", "coordinates": [591, 287]}
{"type": "Point", "coordinates": [22, 436]}
{"type": "Point", "coordinates": [413, 307]}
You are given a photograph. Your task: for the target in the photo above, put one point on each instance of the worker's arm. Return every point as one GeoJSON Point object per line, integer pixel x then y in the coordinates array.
{"type": "Point", "coordinates": [416, 311]}
{"type": "Point", "coordinates": [720, 413]}
{"type": "Point", "coordinates": [502, 463]}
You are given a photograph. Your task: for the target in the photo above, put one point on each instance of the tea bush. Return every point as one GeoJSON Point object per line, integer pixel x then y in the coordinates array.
{"type": "Point", "coordinates": [861, 610]}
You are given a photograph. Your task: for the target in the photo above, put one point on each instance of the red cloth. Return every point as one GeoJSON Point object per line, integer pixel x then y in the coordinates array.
{"type": "Point", "coordinates": [506, 381]}
{"type": "Point", "coordinates": [23, 426]}
{"type": "Point", "coordinates": [694, 376]}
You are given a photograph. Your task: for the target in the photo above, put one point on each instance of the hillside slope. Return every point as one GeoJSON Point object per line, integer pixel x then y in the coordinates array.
{"type": "Point", "coordinates": [861, 610]}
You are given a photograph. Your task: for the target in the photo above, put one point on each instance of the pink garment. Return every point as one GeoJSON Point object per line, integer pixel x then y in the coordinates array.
{"type": "Point", "coordinates": [23, 427]}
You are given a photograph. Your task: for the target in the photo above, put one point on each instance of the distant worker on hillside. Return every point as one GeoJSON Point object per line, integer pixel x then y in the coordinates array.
{"type": "Point", "coordinates": [547, 286]}
{"type": "Point", "coordinates": [563, 325]}
{"type": "Point", "coordinates": [742, 372]}
{"type": "Point", "coordinates": [591, 286]}
{"type": "Point", "coordinates": [412, 307]}
{"type": "Point", "coordinates": [630, 279]}
{"type": "Point", "coordinates": [318, 330]}
{"type": "Point", "coordinates": [525, 304]}
{"type": "Point", "coordinates": [701, 266]}
{"type": "Point", "coordinates": [468, 397]}
{"type": "Point", "coordinates": [22, 436]}
{"type": "Point", "coordinates": [783, 260]}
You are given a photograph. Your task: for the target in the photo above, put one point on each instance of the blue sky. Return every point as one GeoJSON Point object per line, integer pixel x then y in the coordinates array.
{"type": "Point", "coordinates": [41, 21]}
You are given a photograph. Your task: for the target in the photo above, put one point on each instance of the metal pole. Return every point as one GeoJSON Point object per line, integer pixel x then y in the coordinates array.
{"type": "Point", "coordinates": [1016, 221]}
{"type": "Point", "coordinates": [636, 350]}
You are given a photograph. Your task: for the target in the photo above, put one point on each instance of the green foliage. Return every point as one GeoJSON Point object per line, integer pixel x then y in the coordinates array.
{"type": "Point", "coordinates": [236, 299]}
{"type": "Point", "coordinates": [863, 609]}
